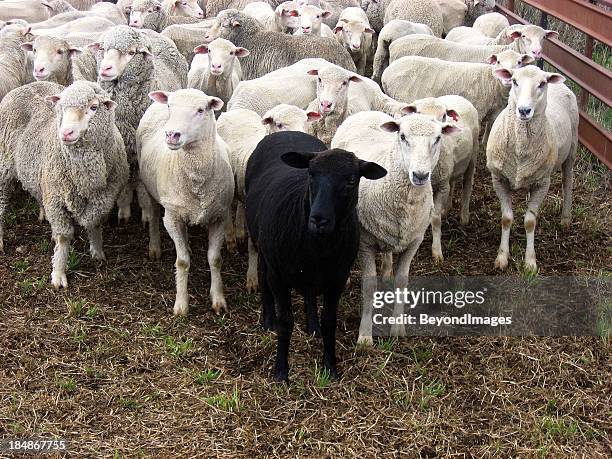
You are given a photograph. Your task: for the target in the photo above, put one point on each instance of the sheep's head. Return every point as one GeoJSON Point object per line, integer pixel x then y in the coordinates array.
{"type": "Point", "coordinates": [229, 22]}
{"type": "Point", "coordinates": [530, 38]}
{"type": "Point", "coordinates": [432, 107]}
{"type": "Point", "coordinates": [51, 57]}
{"type": "Point", "coordinates": [333, 185]}
{"type": "Point", "coordinates": [509, 60]}
{"type": "Point", "coordinates": [419, 139]}
{"type": "Point", "coordinates": [121, 44]}
{"type": "Point", "coordinates": [353, 33]}
{"type": "Point", "coordinates": [332, 87]}
{"type": "Point", "coordinates": [221, 55]}
{"type": "Point", "coordinates": [288, 14]}
{"type": "Point", "coordinates": [529, 89]}
{"type": "Point", "coordinates": [311, 18]}
{"type": "Point", "coordinates": [16, 28]}
{"type": "Point", "coordinates": [79, 105]}
{"type": "Point", "coordinates": [285, 117]}
{"type": "Point", "coordinates": [189, 8]}
{"type": "Point", "coordinates": [55, 7]}
{"type": "Point", "coordinates": [145, 14]}
{"type": "Point", "coordinates": [191, 115]}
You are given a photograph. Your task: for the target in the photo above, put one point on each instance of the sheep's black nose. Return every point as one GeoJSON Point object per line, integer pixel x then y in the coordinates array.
{"type": "Point", "coordinates": [420, 177]}
{"type": "Point", "coordinates": [524, 111]}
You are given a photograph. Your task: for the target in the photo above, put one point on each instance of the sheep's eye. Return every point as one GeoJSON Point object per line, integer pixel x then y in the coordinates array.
{"type": "Point", "coordinates": [437, 139]}
{"type": "Point", "coordinates": [60, 51]}
{"type": "Point", "coordinates": [344, 83]}
{"type": "Point", "coordinates": [514, 82]}
{"type": "Point", "coordinates": [319, 79]}
{"type": "Point", "coordinates": [279, 125]}
{"type": "Point", "coordinates": [542, 84]}
{"type": "Point", "coordinates": [131, 53]}
{"type": "Point", "coordinates": [231, 53]}
{"type": "Point", "coordinates": [318, 16]}
{"type": "Point", "coordinates": [200, 111]}
{"type": "Point", "coordinates": [93, 108]}
{"type": "Point", "coordinates": [149, 11]}
{"type": "Point", "coordinates": [352, 181]}
{"type": "Point", "coordinates": [403, 137]}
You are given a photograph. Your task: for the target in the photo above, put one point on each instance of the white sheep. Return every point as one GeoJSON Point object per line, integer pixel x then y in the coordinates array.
{"type": "Point", "coordinates": [453, 13]}
{"type": "Point", "coordinates": [536, 133]}
{"type": "Point", "coordinates": [394, 212]}
{"type": "Point", "coordinates": [215, 69]}
{"type": "Point", "coordinates": [62, 146]}
{"type": "Point", "coordinates": [150, 14]}
{"type": "Point", "coordinates": [184, 166]}
{"type": "Point", "coordinates": [52, 59]}
{"type": "Point", "coordinates": [491, 24]}
{"type": "Point", "coordinates": [283, 19]}
{"type": "Point", "coordinates": [32, 10]}
{"type": "Point", "coordinates": [353, 31]}
{"type": "Point", "coordinates": [189, 8]}
{"type": "Point", "coordinates": [15, 64]}
{"type": "Point", "coordinates": [311, 22]}
{"type": "Point", "coordinates": [86, 24]}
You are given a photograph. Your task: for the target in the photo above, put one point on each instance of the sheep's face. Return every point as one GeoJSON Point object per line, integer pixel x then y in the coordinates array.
{"type": "Point", "coordinates": [78, 105]}
{"type": "Point", "coordinates": [333, 185]}
{"type": "Point", "coordinates": [332, 87]}
{"type": "Point", "coordinates": [115, 61]}
{"type": "Point", "coordinates": [287, 118]}
{"type": "Point", "coordinates": [432, 107]}
{"type": "Point", "coordinates": [145, 14]}
{"type": "Point", "coordinates": [221, 55]}
{"type": "Point", "coordinates": [531, 39]}
{"type": "Point", "coordinates": [188, 8]}
{"type": "Point", "coordinates": [509, 60]}
{"type": "Point", "coordinates": [353, 34]}
{"type": "Point", "coordinates": [226, 22]}
{"type": "Point", "coordinates": [419, 137]}
{"type": "Point", "coordinates": [190, 116]}
{"type": "Point", "coordinates": [311, 18]}
{"type": "Point", "coordinates": [288, 14]}
{"type": "Point", "coordinates": [51, 57]}
{"type": "Point", "coordinates": [529, 89]}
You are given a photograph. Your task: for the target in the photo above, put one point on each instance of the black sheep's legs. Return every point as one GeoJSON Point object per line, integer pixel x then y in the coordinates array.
{"type": "Point", "coordinates": [312, 317]}
{"type": "Point", "coordinates": [268, 310]}
{"type": "Point", "coordinates": [284, 328]}
{"type": "Point", "coordinates": [328, 329]}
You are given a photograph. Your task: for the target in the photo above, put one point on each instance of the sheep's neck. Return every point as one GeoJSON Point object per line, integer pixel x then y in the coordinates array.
{"type": "Point", "coordinates": [219, 85]}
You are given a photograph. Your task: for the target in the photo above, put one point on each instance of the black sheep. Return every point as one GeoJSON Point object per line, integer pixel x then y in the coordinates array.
{"type": "Point", "coordinates": [301, 214]}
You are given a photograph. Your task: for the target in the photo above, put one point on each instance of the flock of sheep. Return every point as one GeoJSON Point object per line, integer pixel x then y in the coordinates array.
{"type": "Point", "coordinates": [103, 101]}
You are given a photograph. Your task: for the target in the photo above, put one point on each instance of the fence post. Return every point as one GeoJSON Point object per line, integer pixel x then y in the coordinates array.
{"type": "Point", "coordinates": [588, 52]}
{"type": "Point", "coordinates": [544, 25]}
{"type": "Point", "coordinates": [511, 5]}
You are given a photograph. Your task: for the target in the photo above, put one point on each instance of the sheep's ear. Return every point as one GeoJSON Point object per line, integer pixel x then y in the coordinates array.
{"type": "Point", "coordinates": [355, 79]}
{"type": "Point", "coordinates": [552, 34]}
{"type": "Point", "coordinates": [453, 114]}
{"type": "Point", "coordinates": [297, 160]}
{"type": "Point", "coordinates": [293, 13]}
{"type": "Point", "coordinates": [527, 59]}
{"type": "Point", "coordinates": [27, 46]}
{"type": "Point", "coordinates": [47, 4]}
{"type": "Point", "coordinates": [555, 78]}
{"type": "Point", "coordinates": [52, 100]}
{"type": "Point", "coordinates": [159, 96]}
{"type": "Point", "coordinates": [313, 116]}
{"type": "Point", "coordinates": [146, 54]}
{"type": "Point", "coordinates": [94, 47]}
{"type": "Point", "coordinates": [338, 28]}
{"type": "Point", "coordinates": [26, 30]}
{"type": "Point", "coordinates": [390, 126]}
{"type": "Point", "coordinates": [313, 72]}
{"type": "Point", "coordinates": [476, 2]}
{"type": "Point", "coordinates": [371, 170]}
{"type": "Point", "coordinates": [214, 103]}
{"type": "Point", "coordinates": [109, 104]}
{"type": "Point", "coordinates": [326, 14]}
{"type": "Point", "coordinates": [127, 9]}
{"type": "Point", "coordinates": [492, 59]}
{"type": "Point", "coordinates": [72, 52]}
{"type": "Point", "coordinates": [201, 49]}
{"type": "Point", "coordinates": [368, 30]}
{"type": "Point", "coordinates": [408, 109]}
{"type": "Point", "coordinates": [450, 129]}
{"type": "Point", "coordinates": [503, 74]}
{"type": "Point", "coordinates": [242, 52]}
{"type": "Point", "coordinates": [515, 35]}
{"type": "Point", "coordinates": [267, 120]}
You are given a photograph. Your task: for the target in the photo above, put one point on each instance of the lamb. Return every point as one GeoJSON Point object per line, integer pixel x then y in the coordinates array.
{"type": "Point", "coordinates": [52, 59]}
{"type": "Point", "coordinates": [301, 214]}
{"type": "Point", "coordinates": [185, 168]}
{"type": "Point", "coordinates": [15, 66]}
{"type": "Point", "coordinates": [189, 8]}
{"type": "Point", "coordinates": [536, 133]}
{"type": "Point", "coordinates": [311, 22]}
{"type": "Point", "coordinates": [381, 12]}
{"type": "Point", "coordinates": [32, 10]}
{"type": "Point", "coordinates": [453, 13]}
{"type": "Point", "coordinates": [394, 212]}
{"type": "Point", "coordinates": [405, 81]}
{"type": "Point", "coordinates": [273, 50]}
{"type": "Point", "coordinates": [283, 19]}
{"type": "Point", "coordinates": [216, 70]}
{"type": "Point", "coordinates": [243, 129]}
{"type": "Point", "coordinates": [392, 31]}
{"type": "Point", "coordinates": [353, 31]}
{"type": "Point", "coordinates": [457, 160]}
{"type": "Point", "coordinates": [149, 14]}
{"type": "Point", "coordinates": [526, 39]}
{"type": "Point", "coordinates": [71, 159]}
{"type": "Point", "coordinates": [131, 65]}
{"type": "Point", "coordinates": [491, 24]}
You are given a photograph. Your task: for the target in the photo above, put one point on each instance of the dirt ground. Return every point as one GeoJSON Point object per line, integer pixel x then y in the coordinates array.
{"type": "Point", "coordinates": [105, 366]}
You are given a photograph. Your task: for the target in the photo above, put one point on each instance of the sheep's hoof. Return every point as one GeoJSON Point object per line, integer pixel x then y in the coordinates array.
{"type": "Point", "coordinates": [154, 253]}
{"type": "Point", "coordinates": [566, 222]}
{"type": "Point", "coordinates": [398, 330]}
{"type": "Point", "coordinates": [281, 376]}
{"type": "Point", "coordinates": [530, 266]}
{"type": "Point", "coordinates": [365, 341]}
{"type": "Point", "coordinates": [437, 256]}
{"type": "Point", "coordinates": [268, 324]}
{"type": "Point", "coordinates": [41, 214]}
{"type": "Point", "coordinates": [124, 215]}
{"type": "Point", "coordinates": [252, 284]}
{"type": "Point", "coordinates": [501, 262]}
{"type": "Point", "coordinates": [59, 280]}
{"type": "Point", "coordinates": [465, 219]}
{"type": "Point", "coordinates": [219, 305]}
{"type": "Point", "coordinates": [231, 245]}
{"type": "Point", "coordinates": [97, 254]}
{"type": "Point", "coordinates": [240, 236]}
{"type": "Point", "coordinates": [181, 308]}
{"type": "Point", "coordinates": [313, 329]}
{"type": "Point", "coordinates": [333, 372]}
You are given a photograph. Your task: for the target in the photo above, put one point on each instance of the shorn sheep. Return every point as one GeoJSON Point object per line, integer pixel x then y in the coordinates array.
{"type": "Point", "coordinates": [150, 14]}
{"type": "Point", "coordinates": [535, 134]}
{"type": "Point", "coordinates": [302, 216]}
{"type": "Point", "coordinates": [62, 146]}
{"type": "Point", "coordinates": [394, 212]}
{"type": "Point", "coordinates": [184, 166]}
{"type": "Point", "coordinates": [491, 24]}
